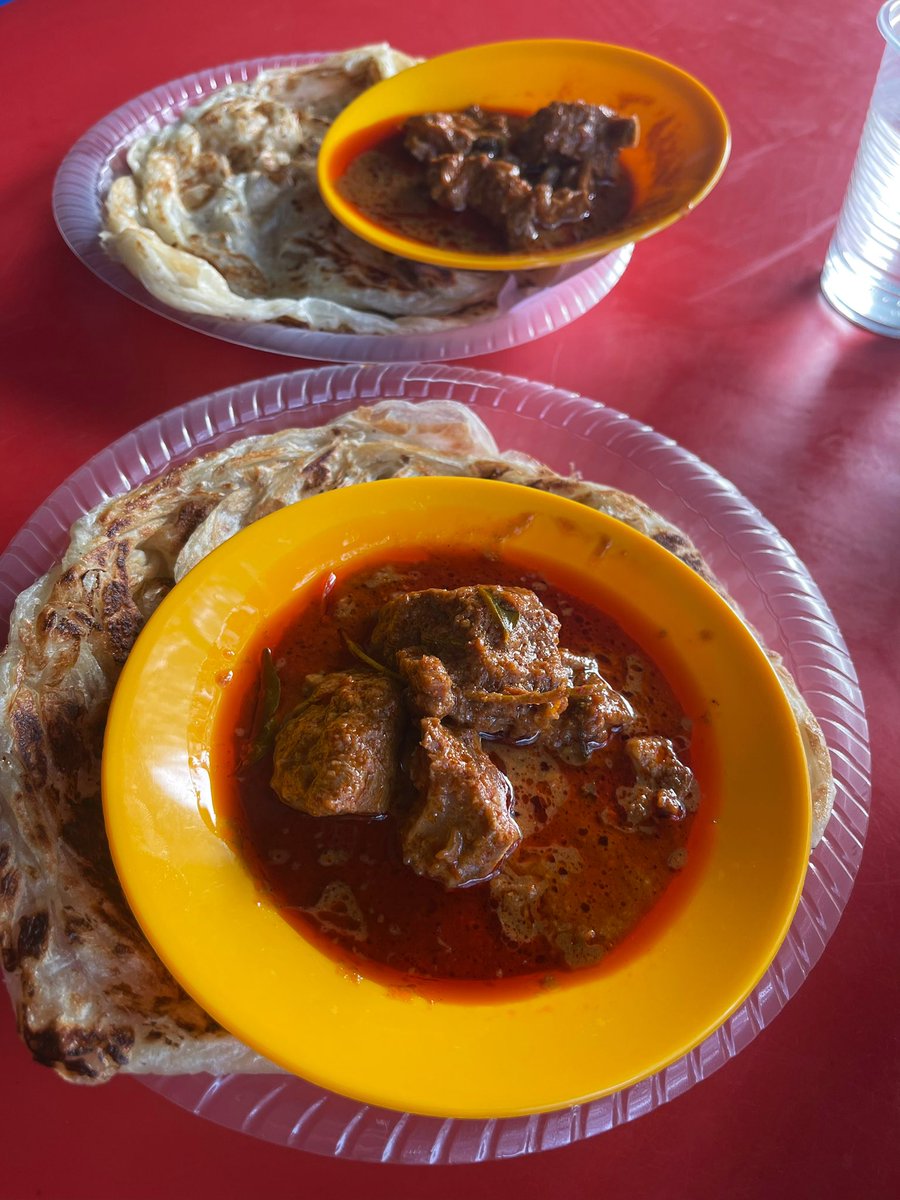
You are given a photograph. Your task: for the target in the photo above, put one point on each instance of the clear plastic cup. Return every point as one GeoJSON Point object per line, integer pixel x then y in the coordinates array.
{"type": "Point", "coordinates": [861, 277]}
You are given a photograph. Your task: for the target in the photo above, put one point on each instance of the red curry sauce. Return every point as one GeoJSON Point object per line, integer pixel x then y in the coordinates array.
{"type": "Point", "coordinates": [383, 182]}
{"type": "Point", "coordinates": [341, 880]}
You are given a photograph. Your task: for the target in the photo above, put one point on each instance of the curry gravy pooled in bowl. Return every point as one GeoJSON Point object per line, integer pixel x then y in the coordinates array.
{"type": "Point", "coordinates": [490, 181]}
{"type": "Point", "coordinates": [446, 770]}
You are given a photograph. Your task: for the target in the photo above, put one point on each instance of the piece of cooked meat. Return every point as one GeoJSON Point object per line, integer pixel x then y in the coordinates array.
{"type": "Point", "coordinates": [338, 753]}
{"type": "Point", "coordinates": [461, 828]}
{"type": "Point", "coordinates": [430, 135]}
{"type": "Point", "coordinates": [487, 185]}
{"type": "Point", "coordinates": [488, 657]}
{"type": "Point", "coordinates": [663, 784]}
{"type": "Point", "coordinates": [594, 712]}
{"type": "Point", "coordinates": [574, 132]}
{"type": "Point", "coordinates": [431, 686]}
{"type": "Point", "coordinates": [523, 175]}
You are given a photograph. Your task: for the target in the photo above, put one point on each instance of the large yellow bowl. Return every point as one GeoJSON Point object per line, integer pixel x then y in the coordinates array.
{"type": "Point", "coordinates": [684, 142]}
{"type": "Point", "coordinates": [220, 935]}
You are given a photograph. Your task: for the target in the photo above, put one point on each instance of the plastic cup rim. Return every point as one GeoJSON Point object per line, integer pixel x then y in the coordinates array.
{"type": "Point", "coordinates": [889, 23]}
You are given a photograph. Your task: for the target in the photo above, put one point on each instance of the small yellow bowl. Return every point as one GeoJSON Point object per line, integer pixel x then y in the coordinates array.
{"type": "Point", "coordinates": [225, 941]}
{"type": "Point", "coordinates": [684, 142]}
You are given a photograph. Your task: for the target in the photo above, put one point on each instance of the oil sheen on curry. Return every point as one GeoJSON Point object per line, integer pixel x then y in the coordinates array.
{"type": "Point", "coordinates": [489, 182]}
{"type": "Point", "coordinates": [447, 769]}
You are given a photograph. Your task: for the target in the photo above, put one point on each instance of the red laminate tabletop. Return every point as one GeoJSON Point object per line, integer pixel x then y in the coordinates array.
{"type": "Point", "coordinates": [716, 336]}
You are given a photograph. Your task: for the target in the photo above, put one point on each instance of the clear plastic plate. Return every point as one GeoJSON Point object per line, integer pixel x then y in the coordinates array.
{"type": "Point", "coordinates": [87, 171]}
{"type": "Point", "coordinates": [754, 562]}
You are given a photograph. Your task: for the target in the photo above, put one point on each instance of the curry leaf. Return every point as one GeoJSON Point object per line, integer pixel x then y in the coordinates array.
{"type": "Point", "coordinates": [367, 658]}
{"type": "Point", "coordinates": [269, 698]}
{"type": "Point", "coordinates": [505, 613]}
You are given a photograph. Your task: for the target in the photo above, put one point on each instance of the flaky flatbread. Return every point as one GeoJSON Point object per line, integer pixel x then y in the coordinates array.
{"type": "Point", "coordinates": [220, 215]}
{"type": "Point", "coordinates": [91, 996]}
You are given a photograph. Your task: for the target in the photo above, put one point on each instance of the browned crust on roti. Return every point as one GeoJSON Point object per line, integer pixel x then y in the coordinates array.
{"type": "Point", "coordinates": [219, 215]}
{"type": "Point", "coordinates": [91, 997]}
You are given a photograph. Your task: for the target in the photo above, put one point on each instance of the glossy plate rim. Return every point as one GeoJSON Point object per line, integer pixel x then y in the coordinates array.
{"type": "Point", "coordinates": [86, 172]}
{"type": "Point", "coordinates": [743, 549]}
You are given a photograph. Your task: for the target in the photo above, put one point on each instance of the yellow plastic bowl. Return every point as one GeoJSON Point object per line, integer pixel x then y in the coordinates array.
{"type": "Point", "coordinates": [223, 939]}
{"type": "Point", "coordinates": [684, 143]}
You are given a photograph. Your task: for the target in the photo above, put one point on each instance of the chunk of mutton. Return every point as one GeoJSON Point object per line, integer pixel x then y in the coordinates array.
{"type": "Point", "coordinates": [663, 787]}
{"type": "Point", "coordinates": [484, 657]}
{"type": "Point", "coordinates": [460, 829]}
{"type": "Point", "coordinates": [338, 753]}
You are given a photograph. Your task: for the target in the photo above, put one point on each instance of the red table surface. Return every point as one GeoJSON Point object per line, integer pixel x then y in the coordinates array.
{"type": "Point", "coordinates": [716, 336]}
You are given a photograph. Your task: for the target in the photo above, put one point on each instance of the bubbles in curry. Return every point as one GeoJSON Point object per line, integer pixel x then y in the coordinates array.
{"type": "Point", "coordinates": [451, 770]}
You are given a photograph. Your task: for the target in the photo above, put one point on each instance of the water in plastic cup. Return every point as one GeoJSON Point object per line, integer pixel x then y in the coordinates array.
{"type": "Point", "coordinates": [861, 277]}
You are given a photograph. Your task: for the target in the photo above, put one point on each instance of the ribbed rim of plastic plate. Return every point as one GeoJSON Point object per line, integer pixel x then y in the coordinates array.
{"type": "Point", "coordinates": [753, 561]}
{"type": "Point", "coordinates": [87, 171]}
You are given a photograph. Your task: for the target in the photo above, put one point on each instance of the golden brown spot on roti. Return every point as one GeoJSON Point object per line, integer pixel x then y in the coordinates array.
{"type": "Point", "coordinates": [122, 619]}
{"type": "Point", "coordinates": [66, 744]}
{"type": "Point", "coordinates": [120, 1042]}
{"type": "Point", "coordinates": [316, 473]}
{"type": "Point", "coordinates": [678, 544]}
{"type": "Point", "coordinates": [76, 927]}
{"type": "Point", "coordinates": [68, 1046]}
{"type": "Point", "coordinates": [28, 736]}
{"type": "Point", "coordinates": [33, 933]}
{"type": "Point", "coordinates": [192, 513]}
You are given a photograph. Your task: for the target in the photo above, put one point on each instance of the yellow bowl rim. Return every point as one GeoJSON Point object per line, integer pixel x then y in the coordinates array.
{"type": "Point", "coordinates": [324, 1061]}
{"type": "Point", "coordinates": [406, 247]}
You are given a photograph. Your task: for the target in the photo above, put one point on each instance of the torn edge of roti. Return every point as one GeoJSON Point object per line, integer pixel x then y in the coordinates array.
{"type": "Point", "coordinates": [91, 996]}
{"type": "Point", "coordinates": [221, 216]}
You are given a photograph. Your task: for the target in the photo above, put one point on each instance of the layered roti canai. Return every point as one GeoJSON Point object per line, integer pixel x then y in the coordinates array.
{"type": "Point", "coordinates": [91, 996]}
{"type": "Point", "coordinates": [219, 214]}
